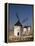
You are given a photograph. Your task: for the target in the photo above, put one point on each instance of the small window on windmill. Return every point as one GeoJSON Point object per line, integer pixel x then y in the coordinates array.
{"type": "Point", "coordinates": [18, 33]}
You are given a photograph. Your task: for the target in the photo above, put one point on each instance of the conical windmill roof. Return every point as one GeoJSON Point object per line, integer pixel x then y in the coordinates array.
{"type": "Point", "coordinates": [26, 26]}
{"type": "Point", "coordinates": [18, 23]}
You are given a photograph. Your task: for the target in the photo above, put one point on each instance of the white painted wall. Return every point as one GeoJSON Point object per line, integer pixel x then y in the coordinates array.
{"type": "Point", "coordinates": [29, 28]}
{"type": "Point", "coordinates": [24, 30]}
{"type": "Point", "coordinates": [16, 30]}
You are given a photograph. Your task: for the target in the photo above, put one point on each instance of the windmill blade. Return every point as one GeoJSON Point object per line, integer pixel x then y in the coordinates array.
{"type": "Point", "coordinates": [25, 20]}
{"type": "Point", "coordinates": [17, 16]}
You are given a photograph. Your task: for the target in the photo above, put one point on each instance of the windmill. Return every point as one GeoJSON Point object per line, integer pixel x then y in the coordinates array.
{"type": "Point", "coordinates": [18, 25]}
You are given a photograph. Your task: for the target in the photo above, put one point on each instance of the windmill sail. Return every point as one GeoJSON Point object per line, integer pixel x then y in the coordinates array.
{"type": "Point", "coordinates": [17, 17]}
{"type": "Point", "coordinates": [25, 20]}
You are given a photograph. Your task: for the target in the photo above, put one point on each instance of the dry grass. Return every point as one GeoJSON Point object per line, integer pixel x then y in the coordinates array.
{"type": "Point", "coordinates": [12, 38]}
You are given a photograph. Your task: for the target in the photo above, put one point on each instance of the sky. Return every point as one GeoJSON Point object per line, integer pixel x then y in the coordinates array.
{"type": "Point", "coordinates": [23, 13]}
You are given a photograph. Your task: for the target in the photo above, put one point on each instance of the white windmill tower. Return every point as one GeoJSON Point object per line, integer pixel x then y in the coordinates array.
{"type": "Point", "coordinates": [17, 27]}
{"type": "Point", "coordinates": [25, 28]}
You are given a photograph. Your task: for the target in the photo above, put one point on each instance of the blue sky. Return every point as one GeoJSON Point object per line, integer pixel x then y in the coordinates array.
{"type": "Point", "coordinates": [23, 13]}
